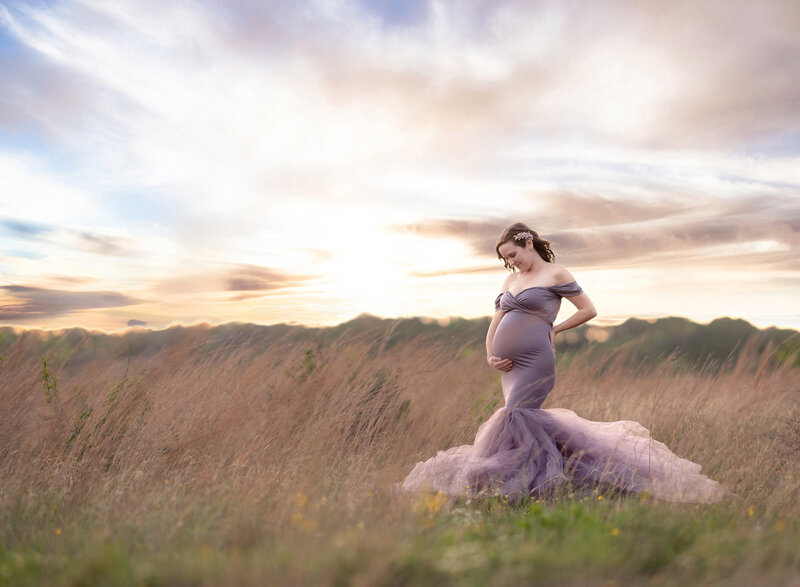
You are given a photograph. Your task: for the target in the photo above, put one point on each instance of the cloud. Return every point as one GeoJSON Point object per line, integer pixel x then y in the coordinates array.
{"type": "Point", "coordinates": [736, 91]}
{"type": "Point", "coordinates": [460, 77]}
{"type": "Point", "coordinates": [601, 233]}
{"type": "Point", "coordinates": [70, 279]}
{"type": "Point", "coordinates": [491, 269]}
{"type": "Point", "coordinates": [105, 245]}
{"type": "Point", "coordinates": [40, 94]}
{"type": "Point", "coordinates": [24, 302]}
{"type": "Point", "coordinates": [83, 240]}
{"type": "Point", "coordinates": [25, 229]}
{"type": "Point", "coordinates": [573, 210]}
{"type": "Point", "coordinates": [626, 133]}
{"type": "Point", "coordinates": [475, 232]}
{"type": "Point", "coordinates": [254, 278]}
{"type": "Point", "coordinates": [234, 278]}
{"type": "Point", "coordinates": [616, 74]}
{"type": "Point", "coordinates": [134, 322]}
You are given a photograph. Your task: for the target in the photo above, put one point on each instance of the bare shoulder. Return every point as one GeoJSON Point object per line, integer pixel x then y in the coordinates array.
{"type": "Point", "coordinates": [508, 281]}
{"type": "Point", "coordinates": [561, 274]}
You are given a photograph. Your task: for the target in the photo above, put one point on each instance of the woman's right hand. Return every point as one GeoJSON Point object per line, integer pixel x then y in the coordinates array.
{"type": "Point", "coordinates": [498, 363]}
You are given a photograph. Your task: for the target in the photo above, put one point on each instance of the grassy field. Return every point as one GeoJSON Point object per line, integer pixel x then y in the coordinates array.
{"type": "Point", "coordinates": [250, 458]}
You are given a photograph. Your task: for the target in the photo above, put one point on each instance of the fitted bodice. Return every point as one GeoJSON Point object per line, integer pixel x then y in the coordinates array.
{"type": "Point", "coordinates": [541, 300]}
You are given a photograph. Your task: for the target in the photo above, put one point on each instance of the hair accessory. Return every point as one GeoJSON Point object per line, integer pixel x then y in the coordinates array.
{"type": "Point", "coordinates": [522, 235]}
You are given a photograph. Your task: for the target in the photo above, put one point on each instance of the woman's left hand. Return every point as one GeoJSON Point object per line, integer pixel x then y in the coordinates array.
{"type": "Point", "coordinates": [553, 340]}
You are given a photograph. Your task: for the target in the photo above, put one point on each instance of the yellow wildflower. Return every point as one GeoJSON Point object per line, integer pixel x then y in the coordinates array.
{"type": "Point", "coordinates": [615, 532]}
{"type": "Point", "coordinates": [58, 530]}
{"type": "Point", "coordinates": [300, 500]}
{"type": "Point", "coordinates": [751, 511]}
{"type": "Point", "coordinates": [436, 502]}
{"type": "Point", "coordinates": [302, 523]}
{"type": "Point", "coordinates": [430, 504]}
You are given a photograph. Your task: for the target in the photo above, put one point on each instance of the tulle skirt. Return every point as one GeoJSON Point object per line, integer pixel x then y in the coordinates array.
{"type": "Point", "coordinates": [527, 452]}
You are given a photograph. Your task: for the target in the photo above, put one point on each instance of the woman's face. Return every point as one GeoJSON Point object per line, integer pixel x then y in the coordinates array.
{"type": "Point", "coordinates": [516, 256]}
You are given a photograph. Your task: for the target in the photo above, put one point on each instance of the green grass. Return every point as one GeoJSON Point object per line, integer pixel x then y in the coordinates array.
{"type": "Point", "coordinates": [181, 465]}
{"type": "Point", "coordinates": [185, 540]}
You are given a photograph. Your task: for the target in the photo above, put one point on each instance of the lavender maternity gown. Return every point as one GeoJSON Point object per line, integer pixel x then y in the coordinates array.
{"type": "Point", "coordinates": [523, 450]}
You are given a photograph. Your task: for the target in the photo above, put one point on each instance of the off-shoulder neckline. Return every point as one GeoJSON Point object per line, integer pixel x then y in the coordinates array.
{"type": "Point", "coordinates": [513, 295]}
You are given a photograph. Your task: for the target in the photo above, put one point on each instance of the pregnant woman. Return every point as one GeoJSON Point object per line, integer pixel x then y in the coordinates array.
{"type": "Point", "coordinates": [522, 450]}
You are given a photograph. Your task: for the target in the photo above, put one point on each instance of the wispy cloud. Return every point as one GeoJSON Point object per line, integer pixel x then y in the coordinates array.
{"type": "Point", "coordinates": [25, 302]}
{"type": "Point", "coordinates": [249, 278]}
{"type": "Point", "coordinates": [105, 245]}
{"type": "Point", "coordinates": [90, 242]}
{"type": "Point", "coordinates": [758, 233]}
{"type": "Point", "coordinates": [236, 278]}
{"type": "Point", "coordinates": [210, 149]}
{"type": "Point", "coordinates": [25, 229]}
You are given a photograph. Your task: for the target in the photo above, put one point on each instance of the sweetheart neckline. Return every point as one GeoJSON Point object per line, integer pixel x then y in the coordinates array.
{"type": "Point", "coordinates": [513, 295]}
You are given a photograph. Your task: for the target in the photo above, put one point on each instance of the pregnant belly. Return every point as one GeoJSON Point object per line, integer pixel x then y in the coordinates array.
{"type": "Point", "coordinates": [523, 338]}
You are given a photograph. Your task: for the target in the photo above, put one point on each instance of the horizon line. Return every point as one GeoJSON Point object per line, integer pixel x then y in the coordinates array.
{"type": "Point", "coordinates": [609, 323]}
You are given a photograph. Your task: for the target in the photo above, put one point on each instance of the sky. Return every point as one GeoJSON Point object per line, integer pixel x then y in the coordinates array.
{"type": "Point", "coordinates": [306, 162]}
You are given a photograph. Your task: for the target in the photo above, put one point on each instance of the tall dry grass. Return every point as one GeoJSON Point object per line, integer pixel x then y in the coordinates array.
{"type": "Point", "coordinates": [267, 421]}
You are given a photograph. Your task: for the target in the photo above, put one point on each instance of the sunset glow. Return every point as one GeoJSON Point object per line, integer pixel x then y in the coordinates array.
{"type": "Point", "coordinates": [307, 162]}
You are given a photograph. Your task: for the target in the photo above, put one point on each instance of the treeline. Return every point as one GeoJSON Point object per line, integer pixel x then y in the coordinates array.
{"type": "Point", "coordinates": [636, 341]}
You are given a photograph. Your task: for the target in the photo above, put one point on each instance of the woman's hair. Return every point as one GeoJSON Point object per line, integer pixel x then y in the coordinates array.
{"type": "Point", "coordinates": [542, 246]}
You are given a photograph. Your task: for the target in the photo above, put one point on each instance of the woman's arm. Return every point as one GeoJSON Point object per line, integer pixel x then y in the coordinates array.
{"type": "Point", "coordinates": [586, 311]}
